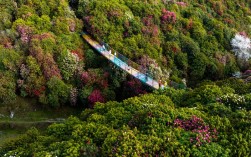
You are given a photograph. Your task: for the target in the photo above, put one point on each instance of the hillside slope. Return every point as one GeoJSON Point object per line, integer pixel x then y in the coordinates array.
{"type": "Point", "coordinates": [198, 42]}
{"type": "Point", "coordinates": [188, 39]}
{"type": "Point", "coordinates": [43, 55]}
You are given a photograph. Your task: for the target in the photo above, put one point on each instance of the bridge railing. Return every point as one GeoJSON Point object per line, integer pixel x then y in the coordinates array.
{"type": "Point", "coordinates": [176, 85]}
{"type": "Point", "coordinates": [135, 65]}
{"type": "Point", "coordinates": [123, 58]}
{"type": "Point", "coordinates": [128, 61]}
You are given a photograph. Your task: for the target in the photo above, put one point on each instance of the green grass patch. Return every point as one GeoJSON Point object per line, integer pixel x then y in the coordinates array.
{"type": "Point", "coordinates": [29, 113]}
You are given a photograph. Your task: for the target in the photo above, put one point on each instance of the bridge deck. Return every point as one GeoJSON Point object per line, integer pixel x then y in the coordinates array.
{"type": "Point", "coordinates": [118, 62]}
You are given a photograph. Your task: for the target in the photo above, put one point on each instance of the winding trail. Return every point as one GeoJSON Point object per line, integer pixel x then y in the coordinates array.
{"type": "Point", "coordinates": [114, 57]}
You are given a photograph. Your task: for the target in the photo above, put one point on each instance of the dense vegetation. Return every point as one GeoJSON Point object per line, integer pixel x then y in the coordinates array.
{"type": "Point", "coordinates": [198, 42]}
{"type": "Point", "coordinates": [43, 55]}
{"type": "Point", "coordinates": [200, 122]}
{"type": "Point", "coordinates": [189, 39]}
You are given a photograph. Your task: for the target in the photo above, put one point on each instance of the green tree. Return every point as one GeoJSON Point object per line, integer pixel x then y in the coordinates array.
{"type": "Point", "coordinates": [57, 92]}
{"type": "Point", "coordinates": [7, 88]}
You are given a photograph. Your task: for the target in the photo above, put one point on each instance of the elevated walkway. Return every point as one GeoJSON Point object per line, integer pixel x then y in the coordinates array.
{"type": "Point", "coordinates": [127, 66]}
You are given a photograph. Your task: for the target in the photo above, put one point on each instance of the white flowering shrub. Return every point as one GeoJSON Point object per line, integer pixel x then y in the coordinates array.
{"type": "Point", "coordinates": [235, 101]}
{"type": "Point", "coordinates": [241, 46]}
{"type": "Point", "coordinates": [68, 64]}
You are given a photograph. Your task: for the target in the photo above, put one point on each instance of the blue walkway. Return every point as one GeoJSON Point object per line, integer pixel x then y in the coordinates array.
{"type": "Point", "coordinates": [121, 64]}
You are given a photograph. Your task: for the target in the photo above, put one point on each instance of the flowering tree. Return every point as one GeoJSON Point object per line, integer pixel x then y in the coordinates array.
{"type": "Point", "coordinates": [241, 46]}
{"type": "Point", "coordinates": [32, 81]}
{"type": "Point", "coordinates": [68, 64]}
{"type": "Point", "coordinates": [50, 67]}
{"type": "Point", "coordinates": [204, 134]}
{"type": "Point", "coordinates": [45, 60]}
{"type": "Point", "coordinates": [96, 96]}
{"type": "Point", "coordinates": [168, 16]}
{"type": "Point", "coordinates": [235, 101]}
{"type": "Point", "coordinates": [151, 30]}
{"type": "Point", "coordinates": [151, 68]}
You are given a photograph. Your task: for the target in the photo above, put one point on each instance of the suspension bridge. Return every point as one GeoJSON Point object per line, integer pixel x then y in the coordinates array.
{"type": "Point", "coordinates": [119, 60]}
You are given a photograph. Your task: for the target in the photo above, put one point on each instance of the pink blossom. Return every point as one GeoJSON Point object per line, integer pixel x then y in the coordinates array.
{"type": "Point", "coordinates": [183, 4]}
{"type": "Point", "coordinates": [243, 33]}
{"type": "Point", "coordinates": [168, 16]}
{"type": "Point", "coordinates": [196, 125]}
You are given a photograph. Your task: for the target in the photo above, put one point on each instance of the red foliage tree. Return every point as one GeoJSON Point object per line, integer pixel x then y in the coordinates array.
{"type": "Point", "coordinates": [50, 67]}
{"type": "Point", "coordinates": [85, 77]}
{"type": "Point", "coordinates": [45, 60]}
{"type": "Point", "coordinates": [95, 96]}
{"type": "Point", "coordinates": [92, 77]}
{"type": "Point", "coordinates": [133, 87]}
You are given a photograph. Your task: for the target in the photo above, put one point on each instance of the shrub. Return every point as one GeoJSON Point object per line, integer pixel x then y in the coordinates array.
{"type": "Point", "coordinates": [203, 132]}
{"type": "Point", "coordinates": [57, 92]}
{"type": "Point", "coordinates": [241, 46]}
{"type": "Point", "coordinates": [235, 101]}
{"type": "Point", "coordinates": [68, 64]}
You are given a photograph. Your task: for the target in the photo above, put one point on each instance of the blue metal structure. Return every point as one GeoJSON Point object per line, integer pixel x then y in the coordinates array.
{"type": "Point", "coordinates": [118, 59]}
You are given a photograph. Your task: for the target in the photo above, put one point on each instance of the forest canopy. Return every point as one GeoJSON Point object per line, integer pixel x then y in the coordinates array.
{"type": "Point", "coordinates": [185, 42]}
{"type": "Point", "coordinates": [202, 122]}
{"type": "Point", "coordinates": [202, 45]}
